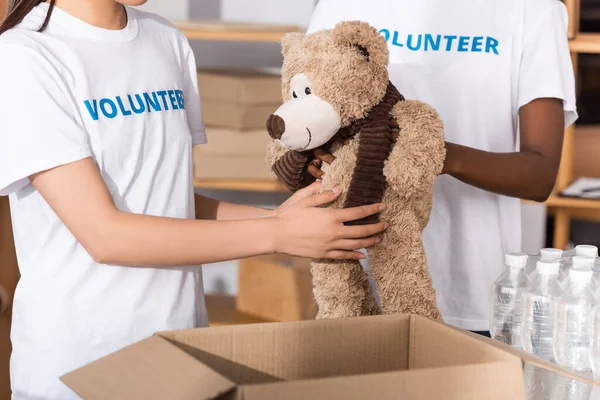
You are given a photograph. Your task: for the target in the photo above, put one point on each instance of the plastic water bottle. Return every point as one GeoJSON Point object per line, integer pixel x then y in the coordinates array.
{"type": "Point", "coordinates": [548, 254]}
{"type": "Point", "coordinates": [507, 294]}
{"type": "Point", "coordinates": [595, 334]}
{"type": "Point", "coordinates": [539, 302]}
{"type": "Point", "coordinates": [586, 250]}
{"type": "Point", "coordinates": [573, 322]}
{"type": "Point", "coordinates": [577, 262]}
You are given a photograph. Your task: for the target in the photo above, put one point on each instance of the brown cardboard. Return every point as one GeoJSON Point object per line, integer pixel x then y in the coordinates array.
{"type": "Point", "coordinates": [276, 288]}
{"type": "Point", "coordinates": [231, 154]}
{"type": "Point", "coordinates": [238, 98]}
{"type": "Point", "coordinates": [180, 376]}
{"type": "Point", "coordinates": [234, 115]}
{"type": "Point", "coordinates": [240, 86]}
{"type": "Point", "coordinates": [383, 357]}
{"type": "Point", "coordinates": [228, 142]}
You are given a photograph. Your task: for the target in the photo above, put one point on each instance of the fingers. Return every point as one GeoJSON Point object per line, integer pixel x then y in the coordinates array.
{"type": "Point", "coordinates": [363, 231]}
{"type": "Point", "coordinates": [322, 199]}
{"type": "Point", "coordinates": [312, 189]}
{"type": "Point", "coordinates": [352, 214]}
{"type": "Point", "coordinates": [323, 155]}
{"type": "Point", "coordinates": [315, 171]}
{"type": "Point", "coordinates": [357, 244]}
{"type": "Point", "coordinates": [345, 255]}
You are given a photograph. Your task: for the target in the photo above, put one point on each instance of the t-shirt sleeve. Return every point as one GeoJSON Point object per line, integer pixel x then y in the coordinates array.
{"type": "Point", "coordinates": [191, 95]}
{"type": "Point", "coordinates": [38, 128]}
{"type": "Point", "coordinates": [546, 69]}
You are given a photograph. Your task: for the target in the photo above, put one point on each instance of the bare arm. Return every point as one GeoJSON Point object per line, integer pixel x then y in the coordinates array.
{"type": "Point", "coordinates": [212, 209]}
{"type": "Point", "coordinates": [78, 195]}
{"type": "Point", "coordinates": [528, 174]}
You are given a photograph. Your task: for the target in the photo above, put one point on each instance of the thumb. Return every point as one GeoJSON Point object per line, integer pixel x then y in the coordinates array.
{"type": "Point", "coordinates": [312, 189]}
{"type": "Point", "coordinates": [321, 199]}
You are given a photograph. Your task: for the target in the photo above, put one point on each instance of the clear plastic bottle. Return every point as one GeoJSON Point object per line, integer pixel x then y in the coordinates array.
{"type": "Point", "coordinates": [595, 347]}
{"type": "Point", "coordinates": [573, 322]}
{"type": "Point", "coordinates": [548, 254]}
{"type": "Point", "coordinates": [586, 250]}
{"type": "Point", "coordinates": [507, 294]}
{"type": "Point", "coordinates": [578, 262]}
{"type": "Point", "coordinates": [539, 302]}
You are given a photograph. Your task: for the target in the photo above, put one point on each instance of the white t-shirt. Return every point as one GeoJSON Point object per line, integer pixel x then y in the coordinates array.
{"type": "Point", "coordinates": [477, 63]}
{"type": "Point", "coordinates": [129, 100]}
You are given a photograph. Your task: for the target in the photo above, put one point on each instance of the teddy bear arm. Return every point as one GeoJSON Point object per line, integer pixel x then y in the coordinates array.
{"type": "Point", "coordinates": [418, 155]}
{"type": "Point", "coordinates": [289, 166]}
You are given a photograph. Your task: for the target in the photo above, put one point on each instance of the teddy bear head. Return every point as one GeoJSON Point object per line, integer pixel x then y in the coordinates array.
{"type": "Point", "coordinates": [330, 78]}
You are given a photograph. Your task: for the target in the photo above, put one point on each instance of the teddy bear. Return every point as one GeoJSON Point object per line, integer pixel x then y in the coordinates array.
{"type": "Point", "coordinates": [337, 96]}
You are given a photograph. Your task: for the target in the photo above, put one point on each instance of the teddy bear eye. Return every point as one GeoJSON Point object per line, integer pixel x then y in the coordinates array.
{"type": "Point", "coordinates": [294, 95]}
{"type": "Point", "coordinates": [307, 91]}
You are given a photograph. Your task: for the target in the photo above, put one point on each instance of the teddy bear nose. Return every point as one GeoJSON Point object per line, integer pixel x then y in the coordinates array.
{"type": "Point", "coordinates": [275, 126]}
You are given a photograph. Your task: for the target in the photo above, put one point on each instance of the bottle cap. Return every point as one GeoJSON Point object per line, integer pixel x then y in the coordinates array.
{"type": "Point", "coordinates": [583, 262]}
{"type": "Point", "coordinates": [517, 260]}
{"type": "Point", "coordinates": [547, 267]}
{"type": "Point", "coordinates": [586, 250]}
{"type": "Point", "coordinates": [550, 254]}
{"type": "Point", "coordinates": [580, 274]}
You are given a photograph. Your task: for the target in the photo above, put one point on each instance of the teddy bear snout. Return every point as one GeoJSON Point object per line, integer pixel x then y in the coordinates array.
{"type": "Point", "coordinates": [275, 126]}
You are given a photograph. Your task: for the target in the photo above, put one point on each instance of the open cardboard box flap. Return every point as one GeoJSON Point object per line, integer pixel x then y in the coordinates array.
{"type": "Point", "coordinates": [355, 358]}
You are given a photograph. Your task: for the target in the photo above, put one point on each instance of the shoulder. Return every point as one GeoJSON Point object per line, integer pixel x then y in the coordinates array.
{"type": "Point", "coordinates": [158, 25]}
{"type": "Point", "coordinates": [537, 6]}
{"type": "Point", "coordinates": [539, 10]}
{"type": "Point", "coordinates": [21, 52]}
{"type": "Point", "coordinates": [28, 66]}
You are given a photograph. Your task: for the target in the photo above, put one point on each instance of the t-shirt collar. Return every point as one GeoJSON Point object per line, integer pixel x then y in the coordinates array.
{"type": "Point", "coordinates": [92, 32]}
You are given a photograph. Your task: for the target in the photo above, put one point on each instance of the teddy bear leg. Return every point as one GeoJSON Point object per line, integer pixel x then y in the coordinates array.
{"type": "Point", "coordinates": [400, 272]}
{"type": "Point", "coordinates": [342, 289]}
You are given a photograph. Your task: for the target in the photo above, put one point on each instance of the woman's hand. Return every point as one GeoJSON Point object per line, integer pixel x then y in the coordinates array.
{"type": "Point", "coordinates": [306, 229]}
{"type": "Point", "coordinates": [314, 167]}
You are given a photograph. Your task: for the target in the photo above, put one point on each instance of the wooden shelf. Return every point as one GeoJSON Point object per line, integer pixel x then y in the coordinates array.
{"type": "Point", "coordinates": [234, 31]}
{"type": "Point", "coordinates": [574, 203]}
{"type": "Point", "coordinates": [263, 185]}
{"type": "Point", "coordinates": [588, 43]}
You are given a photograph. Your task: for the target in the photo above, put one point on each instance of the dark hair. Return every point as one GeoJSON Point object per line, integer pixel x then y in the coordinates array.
{"type": "Point", "coordinates": [18, 9]}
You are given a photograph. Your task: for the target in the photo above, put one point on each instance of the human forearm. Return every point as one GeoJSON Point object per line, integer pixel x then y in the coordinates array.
{"type": "Point", "coordinates": [212, 209]}
{"type": "Point", "coordinates": [525, 175]}
{"type": "Point", "coordinates": [529, 174]}
{"type": "Point", "coordinates": [141, 240]}
{"type": "Point", "coordinates": [79, 197]}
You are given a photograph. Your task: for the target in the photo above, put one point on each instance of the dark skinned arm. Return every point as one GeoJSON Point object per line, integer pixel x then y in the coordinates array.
{"type": "Point", "coordinates": [529, 174]}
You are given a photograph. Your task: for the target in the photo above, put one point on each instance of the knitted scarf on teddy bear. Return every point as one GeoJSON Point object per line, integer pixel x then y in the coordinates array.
{"type": "Point", "coordinates": [378, 132]}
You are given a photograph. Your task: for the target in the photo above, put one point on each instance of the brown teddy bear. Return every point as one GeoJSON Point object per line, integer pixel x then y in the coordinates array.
{"type": "Point", "coordinates": [337, 96]}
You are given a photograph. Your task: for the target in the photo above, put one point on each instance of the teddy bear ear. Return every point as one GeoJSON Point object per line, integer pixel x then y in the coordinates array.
{"type": "Point", "coordinates": [291, 42]}
{"type": "Point", "coordinates": [364, 38]}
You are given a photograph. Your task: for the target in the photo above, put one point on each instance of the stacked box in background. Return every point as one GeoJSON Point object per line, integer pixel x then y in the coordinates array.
{"type": "Point", "coordinates": [235, 105]}
{"type": "Point", "coordinates": [276, 288]}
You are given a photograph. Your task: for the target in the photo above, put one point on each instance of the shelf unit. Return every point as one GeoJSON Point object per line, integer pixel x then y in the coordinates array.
{"type": "Point", "coordinates": [565, 209]}
{"type": "Point", "coordinates": [262, 185]}
{"type": "Point", "coordinates": [237, 32]}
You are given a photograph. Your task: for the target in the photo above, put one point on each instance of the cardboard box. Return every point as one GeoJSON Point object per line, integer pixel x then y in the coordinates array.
{"type": "Point", "coordinates": [240, 86]}
{"type": "Point", "coordinates": [276, 288]}
{"type": "Point", "coordinates": [239, 99]}
{"type": "Point", "coordinates": [231, 154]}
{"type": "Point", "coordinates": [236, 116]}
{"type": "Point", "coordinates": [382, 357]}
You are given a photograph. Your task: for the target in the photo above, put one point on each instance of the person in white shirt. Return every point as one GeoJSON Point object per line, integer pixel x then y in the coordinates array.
{"type": "Point", "coordinates": [100, 109]}
{"type": "Point", "coordinates": [498, 72]}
